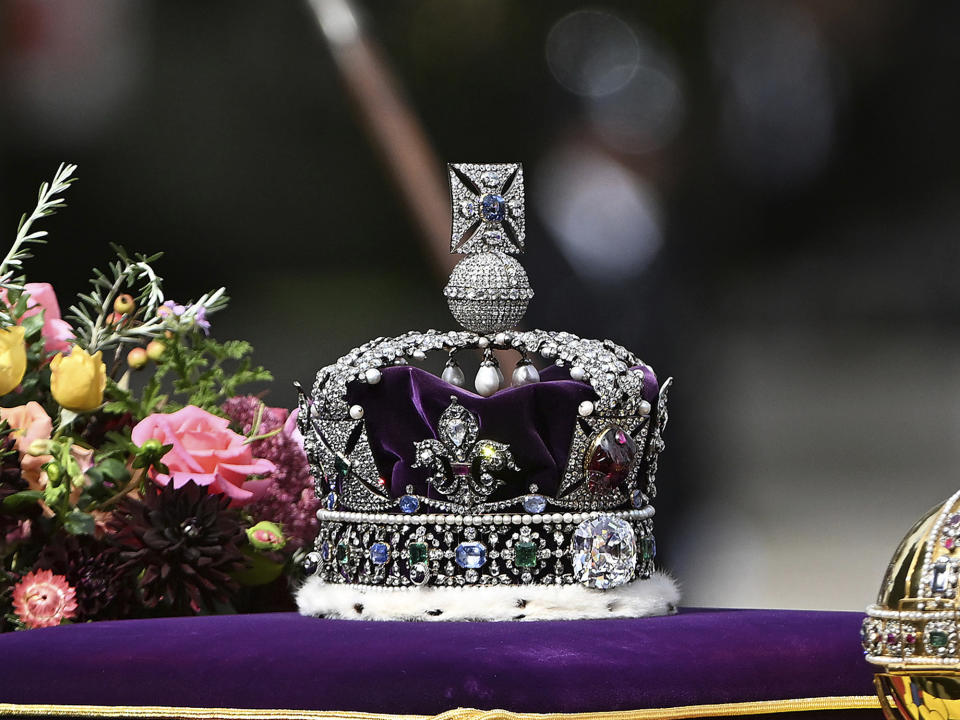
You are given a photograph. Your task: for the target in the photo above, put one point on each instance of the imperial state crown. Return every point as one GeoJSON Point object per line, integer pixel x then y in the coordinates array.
{"type": "Point", "coordinates": [522, 502]}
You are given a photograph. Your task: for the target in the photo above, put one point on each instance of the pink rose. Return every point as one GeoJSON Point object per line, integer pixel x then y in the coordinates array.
{"type": "Point", "coordinates": [206, 451]}
{"type": "Point", "coordinates": [57, 333]}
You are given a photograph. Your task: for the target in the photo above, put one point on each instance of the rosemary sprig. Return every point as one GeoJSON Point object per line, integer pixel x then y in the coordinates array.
{"type": "Point", "coordinates": [98, 328]}
{"type": "Point", "coordinates": [12, 264]}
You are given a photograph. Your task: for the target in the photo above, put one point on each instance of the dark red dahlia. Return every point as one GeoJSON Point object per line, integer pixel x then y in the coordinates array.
{"type": "Point", "coordinates": [93, 569]}
{"type": "Point", "coordinates": [181, 545]}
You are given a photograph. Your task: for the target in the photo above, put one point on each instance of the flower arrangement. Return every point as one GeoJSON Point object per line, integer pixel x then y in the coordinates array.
{"type": "Point", "coordinates": [136, 478]}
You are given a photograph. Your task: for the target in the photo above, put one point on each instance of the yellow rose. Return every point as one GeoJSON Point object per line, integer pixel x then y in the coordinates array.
{"type": "Point", "coordinates": [77, 380]}
{"type": "Point", "coordinates": [13, 358]}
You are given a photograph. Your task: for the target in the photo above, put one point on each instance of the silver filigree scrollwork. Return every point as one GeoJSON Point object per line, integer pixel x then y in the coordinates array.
{"type": "Point", "coordinates": [657, 443]}
{"type": "Point", "coordinates": [463, 467]}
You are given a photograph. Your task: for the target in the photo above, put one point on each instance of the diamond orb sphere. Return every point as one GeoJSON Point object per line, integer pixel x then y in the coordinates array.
{"type": "Point", "coordinates": [604, 552]}
{"type": "Point", "coordinates": [488, 292]}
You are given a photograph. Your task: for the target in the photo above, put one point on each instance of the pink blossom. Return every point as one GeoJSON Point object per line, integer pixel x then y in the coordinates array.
{"type": "Point", "coordinates": [57, 333]}
{"type": "Point", "coordinates": [206, 451]}
{"type": "Point", "coordinates": [42, 599]}
{"type": "Point", "coordinates": [291, 500]}
{"type": "Point", "coordinates": [29, 423]}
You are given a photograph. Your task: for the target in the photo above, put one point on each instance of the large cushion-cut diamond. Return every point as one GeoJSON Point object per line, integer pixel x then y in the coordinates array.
{"type": "Point", "coordinates": [604, 552]}
{"type": "Point", "coordinates": [471, 555]}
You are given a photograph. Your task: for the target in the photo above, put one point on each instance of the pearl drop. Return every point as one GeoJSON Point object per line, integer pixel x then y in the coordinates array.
{"type": "Point", "coordinates": [586, 408]}
{"type": "Point", "coordinates": [356, 412]}
{"type": "Point", "coordinates": [419, 354]}
{"type": "Point", "coordinates": [577, 373]}
{"type": "Point", "coordinates": [525, 375]}
{"type": "Point", "coordinates": [373, 376]}
{"type": "Point", "coordinates": [488, 380]}
{"type": "Point", "coordinates": [644, 407]}
{"type": "Point", "coordinates": [453, 374]}
{"type": "Point", "coordinates": [483, 342]}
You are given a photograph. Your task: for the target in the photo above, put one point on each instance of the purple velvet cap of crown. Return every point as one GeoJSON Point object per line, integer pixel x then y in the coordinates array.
{"type": "Point", "coordinates": [536, 420]}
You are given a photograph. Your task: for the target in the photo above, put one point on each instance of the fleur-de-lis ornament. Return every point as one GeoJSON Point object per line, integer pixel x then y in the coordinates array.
{"type": "Point", "coordinates": [463, 467]}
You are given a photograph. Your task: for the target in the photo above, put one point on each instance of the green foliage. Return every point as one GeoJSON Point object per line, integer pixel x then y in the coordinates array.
{"type": "Point", "coordinates": [193, 370]}
{"type": "Point", "coordinates": [98, 326]}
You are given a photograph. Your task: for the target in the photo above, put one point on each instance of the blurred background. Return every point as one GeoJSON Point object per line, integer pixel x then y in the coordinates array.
{"type": "Point", "coordinates": [761, 199]}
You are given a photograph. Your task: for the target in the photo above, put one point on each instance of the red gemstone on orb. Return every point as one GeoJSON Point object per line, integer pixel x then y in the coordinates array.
{"type": "Point", "coordinates": [949, 543]}
{"type": "Point", "coordinates": [610, 458]}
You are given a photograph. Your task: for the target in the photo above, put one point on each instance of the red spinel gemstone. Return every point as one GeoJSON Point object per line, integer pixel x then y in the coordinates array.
{"type": "Point", "coordinates": [461, 469]}
{"type": "Point", "coordinates": [911, 639]}
{"type": "Point", "coordinates": [891, 639]}
{"type": "Point", "coordinates": [610, 459]}
{"type": "Point", "coordinates": [948, 543]}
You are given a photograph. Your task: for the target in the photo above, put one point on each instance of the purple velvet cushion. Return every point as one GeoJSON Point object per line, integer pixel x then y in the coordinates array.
{"type": "Point", "coordinates": [286, 661]}
{"type": "Point", "coordinates": [535, 420]}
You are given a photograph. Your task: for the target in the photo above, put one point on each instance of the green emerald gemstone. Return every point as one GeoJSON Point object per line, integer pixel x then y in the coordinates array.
{"type": "Point", "coordinates": [342, 465]}
{"type": "Point", "coordinates": [648, 548]}
{"type": "Point", "coordinates": [525, 554]}
{"type": "Point", "coordinates": [343, 553]}
{"type": "Point", "coordinates": [938, 639]}
{"type": "Point", "coordinates": [417, 552]}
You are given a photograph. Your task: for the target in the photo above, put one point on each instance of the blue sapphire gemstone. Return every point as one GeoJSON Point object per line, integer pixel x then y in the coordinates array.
{"type": "Point", "coordinates": [325, 550]}
{"type": "Point", "coordinates": [534, 503]}
{"type": "Point", "coordinates": [471, 555]}
{"type": "Point", "coordinates": [331, 500]}
{"type": "Point", "coordinates": [493, 208]}
{"type": "Point", "coordinates": [379, 553]}
{"type": "Point", "coordinates": [409, 504]}
{"type": "Point", "coordinates": [637, 499]}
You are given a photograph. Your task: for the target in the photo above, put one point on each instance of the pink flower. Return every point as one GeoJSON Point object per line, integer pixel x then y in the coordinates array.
{"type": "Point", "coordinates": [206, 451]}
{"type": "Point", "coordinates": [28, 423]}
{"type": "Point", "coordinates": [290, 500]}
{"type": "Point", "coordinates": [57, 333]}
{"type": "Point", "coordinates": [42, 599]}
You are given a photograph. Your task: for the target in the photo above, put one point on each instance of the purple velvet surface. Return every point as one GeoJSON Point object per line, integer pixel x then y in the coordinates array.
{"type": "Point", "coordinates": [535, 420]}
{"type": "Point", "coordinates": [292, 662]}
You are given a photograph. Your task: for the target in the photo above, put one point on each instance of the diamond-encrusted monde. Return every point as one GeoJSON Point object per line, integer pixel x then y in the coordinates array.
{"type": "Point", "coordinates": [593, 526]}
{"type": "Point", "coordinates": [488, 292]}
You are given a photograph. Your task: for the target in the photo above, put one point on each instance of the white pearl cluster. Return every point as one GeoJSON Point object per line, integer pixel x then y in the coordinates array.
{"type": "Point", "coordinates": [486, 519]}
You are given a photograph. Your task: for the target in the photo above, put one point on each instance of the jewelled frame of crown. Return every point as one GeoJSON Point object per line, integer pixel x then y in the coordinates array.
{"type": "Point", "coordinates": [475, 540]}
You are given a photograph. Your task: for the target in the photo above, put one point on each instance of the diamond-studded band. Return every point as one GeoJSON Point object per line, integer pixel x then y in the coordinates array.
{"type": "Point", "coordinates": [599, 550]}
{"type": "Point", "coordinates": [911, 637]}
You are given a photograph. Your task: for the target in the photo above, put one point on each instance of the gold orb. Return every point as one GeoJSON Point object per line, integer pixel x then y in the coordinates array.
{"type": "Point", "coordinates": [912, 629]}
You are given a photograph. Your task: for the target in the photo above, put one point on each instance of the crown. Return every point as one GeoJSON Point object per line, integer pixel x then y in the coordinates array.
{"type": "Point", "coordinates": [537, 496]}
